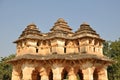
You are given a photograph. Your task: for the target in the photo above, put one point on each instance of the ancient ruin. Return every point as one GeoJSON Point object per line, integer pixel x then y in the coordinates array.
{"type": "Point", "coordinates": [60, 54]}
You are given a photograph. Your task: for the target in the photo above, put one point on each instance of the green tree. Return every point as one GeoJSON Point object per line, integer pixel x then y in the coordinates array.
{"type": "Point", "coordinates": [112, 50]}
{"type": "Point", "coordinates": [5, 68]}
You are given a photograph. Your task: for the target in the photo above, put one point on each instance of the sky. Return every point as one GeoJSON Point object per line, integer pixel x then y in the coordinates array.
{"type": "Point", "coordinates": [102, 15]}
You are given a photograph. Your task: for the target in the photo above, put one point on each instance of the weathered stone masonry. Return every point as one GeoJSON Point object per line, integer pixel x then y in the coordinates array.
{"type": "Point", "coordinates": [60, 54]}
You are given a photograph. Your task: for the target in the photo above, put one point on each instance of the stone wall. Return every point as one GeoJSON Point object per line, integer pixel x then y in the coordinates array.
{"type": "Point", "coordinates": [61, 46]}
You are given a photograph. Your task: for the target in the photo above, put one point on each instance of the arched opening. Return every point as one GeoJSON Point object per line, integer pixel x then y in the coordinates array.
{"type": "Point", "coordinates": [50, 75]}
{"type": "Point", "coordinates": [36, 75]}
{"type": "Point", "coordinates": [79, 75]}
{"type": "Point", "coordinates": [95, 75]}
{"type": "Point", "coordinates": [64, 75]}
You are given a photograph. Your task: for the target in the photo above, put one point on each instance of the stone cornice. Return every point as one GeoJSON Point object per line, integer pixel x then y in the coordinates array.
{"type": "Point", "coordinates": [72, 58]}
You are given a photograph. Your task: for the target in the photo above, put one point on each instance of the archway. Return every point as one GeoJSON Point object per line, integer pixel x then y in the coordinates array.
{"type": "Point", "coordinates": [80, 75]}
{"type": "Point", "coordinates": [36, 75]}
{"type": "Point", "coordinates": [50, 75]}
{"type": "Point", "coordinates": [100, 74]}
{"type": "Point", "coordinates": [95, 74]}
{"type": "Point", "coordinates": [64, 75]}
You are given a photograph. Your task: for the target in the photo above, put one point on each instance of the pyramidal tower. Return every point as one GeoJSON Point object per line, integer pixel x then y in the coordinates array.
{"type": "Point", "coordinates": [60, 54]}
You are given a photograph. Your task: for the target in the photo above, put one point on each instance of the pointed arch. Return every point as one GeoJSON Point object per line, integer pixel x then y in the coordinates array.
{"type": "Point", "coordinates": [36, 75]}
{"type": "Point", "coordinates": [64, 74]}
{"type": "Point", "coordinates": [50, 75]}
{"type": "Point", "coordinates": [80, 74]}
{"type": "Point", "coordinates": [95, 74]}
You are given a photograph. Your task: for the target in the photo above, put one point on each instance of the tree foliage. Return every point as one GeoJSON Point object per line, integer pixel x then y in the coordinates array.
{"type": "Point", "coordinates": [5, 68]}
{"type": "Point", "coordinates": [112, 50]}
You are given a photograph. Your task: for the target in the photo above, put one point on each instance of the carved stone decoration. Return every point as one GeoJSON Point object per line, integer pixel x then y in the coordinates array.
{"type": "Point", "coordinates": [60, 54]}
{"type": "Point", "coordinates": [71, 47]}
{"type": "Point", "coordinates": [44, 48]}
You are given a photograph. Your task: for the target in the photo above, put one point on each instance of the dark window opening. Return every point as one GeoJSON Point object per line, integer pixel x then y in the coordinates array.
{"type": "Point", "coordinates": [37, 50]}
{"type": "Point", "coordinates": [78, 46]}
{"type": "Point", "coordinates": [64, 49]}
{"type": "Point", "coordinates": [37, 43]}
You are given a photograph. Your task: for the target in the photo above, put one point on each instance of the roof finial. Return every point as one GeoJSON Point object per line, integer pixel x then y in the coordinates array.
{"type": "Point", "coordinates": [60, 20]}
{"type": "Point", "coordinates": [85, 23]}
{"type": "Point", "coordinates": [32, 26]}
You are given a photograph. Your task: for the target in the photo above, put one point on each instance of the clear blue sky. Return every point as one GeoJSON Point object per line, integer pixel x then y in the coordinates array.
{"type": "Point", "coordinates": [15, 15]}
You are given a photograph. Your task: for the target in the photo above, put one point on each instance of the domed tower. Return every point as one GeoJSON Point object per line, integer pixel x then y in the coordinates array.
{"type": "Point", "coordinates": [58, 35]}
{"type": "Point", "coordinates": [27, 43]}
{"type": "Point", "coordinates": [89, 41]}
{"type": "Point", "coordinates": [61, 25]}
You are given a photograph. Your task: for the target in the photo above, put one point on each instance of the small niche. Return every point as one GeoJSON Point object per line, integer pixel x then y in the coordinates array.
{"type": "Point", "coordinates": [94, 49]}
{"type": "Point", "coordinates": [37, 43]}
{"type": "Point", "coordinates": [37, 50]}
{"type": "Point", "coordinates": [64, 49]}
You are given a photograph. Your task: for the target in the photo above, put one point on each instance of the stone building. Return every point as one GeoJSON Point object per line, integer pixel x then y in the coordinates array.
{"type": "Point", "coordinates": [60, 54]}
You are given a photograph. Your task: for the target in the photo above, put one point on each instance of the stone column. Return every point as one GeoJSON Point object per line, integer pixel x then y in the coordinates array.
{"type": "Point", "coordinates": [102, 74]}
{"type": "Point", "coordinates": [72, 74]}
{"type": "Point", "coordinates": [87, 74]}
{"type": "Point", "coordinates": [57, 71]}
{"type": "Point", "coordinates": [27, 72]}
{"type": "Point", "coordinates": [16, 73]}
{"type": "Point", "coordinates": [44, 74]}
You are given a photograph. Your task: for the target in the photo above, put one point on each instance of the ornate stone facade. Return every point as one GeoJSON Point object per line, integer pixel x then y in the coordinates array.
{"type": "Point", "coordinates": [60, 54]}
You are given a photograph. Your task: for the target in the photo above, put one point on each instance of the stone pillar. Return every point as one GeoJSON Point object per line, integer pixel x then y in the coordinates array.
{"type": "Point", "coordinates": [72, 74]}
{"type": "Point", "coordinates": [87, 74]}
{"type": "Point", "coordinates": [27, 72]}
{"type": "Point", "coordinates": [57, 71]}
{"type": "Point", "coordinates": [16, 73]}
{"type": "Point", "coordinates": [102, 74]}
{"type": "Point", "coordinates": [44, 74]}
